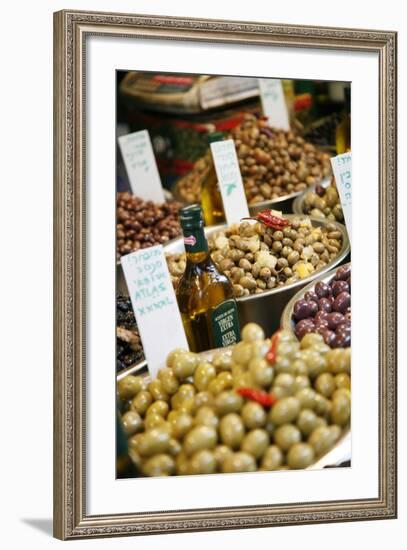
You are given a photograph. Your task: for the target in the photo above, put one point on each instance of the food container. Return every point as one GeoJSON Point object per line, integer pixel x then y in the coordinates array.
{"type": "Point", "coordinates": [339, 454]}
{"type": "Point", "coordinates": [266, 308]}
{"type": "Point", "coordinates": [298, 201]}
{"type": "Point", "coordinates": [287, 315]}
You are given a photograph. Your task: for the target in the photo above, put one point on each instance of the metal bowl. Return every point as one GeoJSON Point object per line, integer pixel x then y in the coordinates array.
{"type": "Point", "coordinates": [287, 322]}
{"type": "Point", "coordinates": [338, 455]}
{"type": "Point", "coordinates": [298, 202]}
{"type": "Point", "coordinates": [266, 308]}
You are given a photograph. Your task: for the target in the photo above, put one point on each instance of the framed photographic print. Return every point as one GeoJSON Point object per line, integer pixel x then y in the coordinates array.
{"type": "Point", "coordinates": [223, 192]}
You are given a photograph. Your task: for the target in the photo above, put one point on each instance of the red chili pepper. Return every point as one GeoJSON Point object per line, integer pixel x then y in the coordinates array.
{"type": "Point", "coordinates": [265, 399]}
{"type": "Point", "coordinates": [272, 352]}
{"type": "Point", "coordinates": [270, 220]}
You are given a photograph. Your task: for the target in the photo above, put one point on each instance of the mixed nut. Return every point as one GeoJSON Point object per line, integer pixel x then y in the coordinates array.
{"type": "Point", "coordinates": [257, 257]}
{"type": "Point", "coordinates": [141, 224]}
{"type": "Point", "coordinates": [261, 405]}
{"type": "Point", "coordinates": [327, 310]}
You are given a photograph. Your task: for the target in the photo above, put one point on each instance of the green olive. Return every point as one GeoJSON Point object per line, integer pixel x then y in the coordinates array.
{"type": "Point", "coordinates": [181, 464]}
{"type": "Point", "coordinates": [322, 405]}
{"type": "Point", "coordinates": [322, 439]}
{"type": "Point", "coordinates": [239, 462]}
{"type": "Point", "coordinates": [154, 441]}
{"type": "Point", "coordinates": [174, 355]}
{"type": "Point", "coordinates": [158, 407]}
{"type": "Point", "coordinates": [286, 435]}
{"type": "Point", "coordinates": [135, 458]}
{"type": "Point", "coordinates": [200, 437]}
{"type": "Point", "coordinates": [342, 380]}
{"type": "Point", "coordinates": [184, 365]}
{"type": "Point", "coordinates": [216, 386]}
{"type": "Point", "coordinates": [132, 423]}
{"type": "Point", "coordinates": [286, 381]}
{"type": "Point", "coordinates": [153, 420]}
{"type": "Point", "coordinates": [185, 391]}
{"type": "Point", "coordinates": [325, 384]}
{"type": "Point", "coordinates": [255, 443]}
{"type": "Point", "coordinates": [226, 379]}
{"type": "Point", "coordinates": [157, 391]}
{"type": "Point", "coordinates": [130, 385]}
{"type": "Point", "coordinates": [169, 381]}
{"type": "Point", "coordinates": [180, 422]}
{"type": "Point", "coordinates": [307, 421]}
{"type": "Point", "coordinates": [340, 412]}
{"type": "Point", "coordinates": [299, 368]}
{"type": "Point", "coordinates": [220, 453]}
{"type": "Point", "coordinates": [338, 360]}
{"type": "Point", "coordinates": [253, 415]}
{"type": "Point", "coordinates": [261, 372]}
{"type": "Point", "coordinates": [300, 455]}
{"type": "Point", "coordinates": [311, 339]}
{"type": "Point", "coordinates": [252, 332]}
{"type": "Point", "coordinates": [260, 348]}
{"type": "Point", "coordinates": [300, 382]}
{"type": "Point", "coordinates": [141, 402]}
{"type": "Point", "coordinates": [272, 459]}
{"type": "Point", "coordinates": [202, 462]}
{"type": "Point", "coordinates": [284, 365]}
{"type": "Point", "coordinates": [205, 416]}
{"type": "Point", "coordinates": [227, 402]}
{"type": "Point", "coordinates": [316, 363]}
{"type": "Point", "coordinates": [134, 442]}
{"type": "Point", "coordinates": [231, 430]}
{"type": "Point", "coordinates": [203, 398]}
{"type": "Point", "coordinates": [222, 361]}
{"type": "Point", "coordinates": [204, 373]}
{"type": "Point", "coordinates": [242, 353]}
{"type": "Point", "coordinates": [285, 411]}
{"type": "Point", "coordinates": [174, 447]}
{"type": "Point", "coordinates": [306, 397]}
{"type": "Point", "coordinates": [159, 465]}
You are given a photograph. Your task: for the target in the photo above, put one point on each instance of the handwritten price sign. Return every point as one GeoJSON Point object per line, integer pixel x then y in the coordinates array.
{"type": "Point", "coordinates": [273, 102]}
{"type": "Point", "coordinates": [230, 180]}
{"type": "Point", "coordinates": [139, 159]}
{"type": "Point", "coordinates": [155, 305]}
{"type": "Point", "coordinates": [342, 169]}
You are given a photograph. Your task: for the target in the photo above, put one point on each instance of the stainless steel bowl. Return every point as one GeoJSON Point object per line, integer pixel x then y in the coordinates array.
{"type": "Point", "coordinates": [298, 202]}
{"type": "Point", "coordinates": [339, 454]}
{"type": "Point", "coordinates": [265, 308]}
{"type": "Point", "coordinates": [287, 322]}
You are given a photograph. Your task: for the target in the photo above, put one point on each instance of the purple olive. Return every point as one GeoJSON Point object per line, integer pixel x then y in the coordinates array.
{"type": "Point", "coordinates": [342, 302]}
{"type": "Point", "coordinates": [324, 304]}
{"type": "Point", "coordinates": [343, 273]}
{"type": "Point", "coordinates": [322, 290]}
{"type": "Point", "coordinates": [341, 340]}
{"type": "Point", "coordinates": [334, 319]}
{"type": "Point", "coordinates": [322, 326]}
{"type": "Point", "coordinates": [304, 327]}
{"type": "Point", "coordinates": [338, 287]}
{"type": "Point", "coordinates": [328, 336]}
{"type": "Point", "coordinates": [304, 308]}
{"type": "Point", "coordinates": [310, 295]}
{"type": "Point", "coordinates": [321, 316]}
{"type": "Point", "coordinates": [343, 327]}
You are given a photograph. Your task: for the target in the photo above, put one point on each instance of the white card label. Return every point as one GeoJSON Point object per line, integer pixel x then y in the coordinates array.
{"type": "Point", "coordinates": [273, 102]}
{"type": "Point", "coordinates": [342, 169]}
{"type": "Point", "coordinates": [230, 180]}
{"type": "Point", "coordinates": [155, 305]}
{"type": "Point", "coordinates": [139, 159]}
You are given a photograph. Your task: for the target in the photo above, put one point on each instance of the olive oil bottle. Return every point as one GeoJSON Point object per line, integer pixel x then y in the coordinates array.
{"type": "Point", "coordinates": [205, 296]}
{"type": "Point", "coordinates": [211, 199]}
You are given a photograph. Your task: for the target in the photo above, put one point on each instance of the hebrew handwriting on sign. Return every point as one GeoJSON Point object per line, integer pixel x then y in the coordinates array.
{"type": "Point", "coordinates": [230, 180]}
{"type": "Point", "coordinates": [342, 169]}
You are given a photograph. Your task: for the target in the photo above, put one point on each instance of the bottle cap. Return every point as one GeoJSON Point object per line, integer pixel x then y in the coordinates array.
{"type": "Point", "coordinates": [215, 136]}
{"type": "Point", "coordinates": [191, 216]}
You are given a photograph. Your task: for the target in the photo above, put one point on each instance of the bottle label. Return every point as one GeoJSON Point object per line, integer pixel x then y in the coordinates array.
{"type": "Point", "coordinates": [195, 241]}
{"type": "Point", "coordinates": [225, 324]}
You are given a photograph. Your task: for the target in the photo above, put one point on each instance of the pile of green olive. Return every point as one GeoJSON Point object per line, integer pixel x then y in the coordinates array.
{"type": "Point", "coordinates": [192, 419]}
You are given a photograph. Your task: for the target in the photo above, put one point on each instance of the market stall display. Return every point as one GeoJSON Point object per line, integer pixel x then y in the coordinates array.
{"type": "Point", "coordinates": [129, 349]}
{"type": "Point", "coordinates": [141, 224]}
{"type": "Point", "coordinates": [260, 405]}
{"type": "Point", "coordinates": [324, 307]}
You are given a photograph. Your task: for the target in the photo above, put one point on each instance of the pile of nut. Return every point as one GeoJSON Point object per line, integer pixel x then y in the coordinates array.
{"type": "Point", "coordinates": [188, 188]}
{"type": "Point", "coordinates": [141, 224]}
{"type": "Point", "coordinates": [323, 203]}
{"type": "Point", "coordinates": [257, 258]}
{"type": "Point", "coordinates": [129, 349]}
{"type": "Point", "coordinates": [261, 406]}
{"type": "Point", "coordinates": [275, 163]}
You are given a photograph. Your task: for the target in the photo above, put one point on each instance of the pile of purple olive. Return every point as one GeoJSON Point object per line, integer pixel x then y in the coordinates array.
{"type": "Point", "coordinates": [326, 310]}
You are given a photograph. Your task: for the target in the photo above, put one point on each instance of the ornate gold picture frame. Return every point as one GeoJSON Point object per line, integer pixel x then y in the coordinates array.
{"type": "Point", "coordinates": [71, 28]}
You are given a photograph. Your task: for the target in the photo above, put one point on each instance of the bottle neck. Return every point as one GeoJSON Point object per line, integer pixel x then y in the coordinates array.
{"type": "Point", "coordinates": [196, 245]}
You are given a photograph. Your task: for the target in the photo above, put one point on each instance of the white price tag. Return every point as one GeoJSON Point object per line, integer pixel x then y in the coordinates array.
{"type": "Point", "coordinates": [230, 180]}
{"type": "Point", "coordinates": [273, 102]}
{"type": "Point", "coordinates": [139, 159]}
{"type": "Point", "coordinates": [155, 305]}
{"type": "Point", "coordinates": [342, 169]}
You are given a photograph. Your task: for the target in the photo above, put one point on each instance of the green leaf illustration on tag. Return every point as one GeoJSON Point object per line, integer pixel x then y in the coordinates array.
{"type": "Point", "coordinates": [229, 188]}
